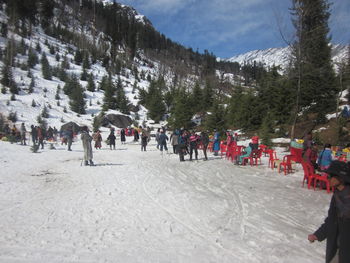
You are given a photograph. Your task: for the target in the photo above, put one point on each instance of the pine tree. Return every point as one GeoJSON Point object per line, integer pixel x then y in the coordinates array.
{"type": "Point", "coordinates": [121, 99]}
{"type": "Point", "coordinates": [45, 112]}
{"type": "Point", "coordinates": [33, 103]}
{"type": "Point", "coordinates": [91, 83]}
{"type": "Point", "coordinates": [45, 67]}
{"type": "Point", "coordinates": [109, 100]}
{"type": "Point", "coordinates": [312, 56]}
{"type": "Point", "coordinates": [32, 58]}
{"type": "Point", "coordinates": [181, 113]}
{"type": "Point", "coordinates": [31, 86]}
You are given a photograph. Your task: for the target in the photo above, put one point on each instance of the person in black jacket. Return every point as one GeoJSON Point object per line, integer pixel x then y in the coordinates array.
{"type": "Point", "coordinates": [336, 227]}
{"type": "Point", "coordinates": [111, 139]}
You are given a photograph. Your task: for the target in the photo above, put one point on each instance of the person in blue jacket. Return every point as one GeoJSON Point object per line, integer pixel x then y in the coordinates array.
{"type": "Point", "coordinates": [325, 157]}
{"type": "Point", "coordinates": [246, 153]}
{"type": "Point", "coordinates": [216, 146]}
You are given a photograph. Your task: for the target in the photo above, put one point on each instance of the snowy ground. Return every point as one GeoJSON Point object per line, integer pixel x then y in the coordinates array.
{"type": "Point", "coordinates": [146, 207]}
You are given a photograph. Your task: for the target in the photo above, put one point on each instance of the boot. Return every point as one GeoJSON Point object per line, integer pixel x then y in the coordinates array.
{"type": "Point", "coordinates": [86, 163]}
{"type": "Point", "coordinates": [91, 163]}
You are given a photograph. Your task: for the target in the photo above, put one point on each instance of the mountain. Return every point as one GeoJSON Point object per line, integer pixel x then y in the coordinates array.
{"type": "Point", "coordinates": [281, 56]}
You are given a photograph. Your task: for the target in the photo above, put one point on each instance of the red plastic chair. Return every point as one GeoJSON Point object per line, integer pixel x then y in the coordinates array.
{"type": "Point", "coordinates": [210, 146]}
{"type": "Point", "coordinates": [286, 164]}
{"type": "Point", "coordinates": [309, 175]}
{"type": "Point", "coordinates": [272, 158]}
{"type": "Point", "coordinates": [223, 149]}
{"type": "Point", "coordinates": [322, 179]}
{"type": "Point", "coordinates": [257, 156]}
{"type": "Point", "coordinates": [249, 158]}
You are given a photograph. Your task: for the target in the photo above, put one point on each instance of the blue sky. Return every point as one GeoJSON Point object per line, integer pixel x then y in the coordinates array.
{"type": "Point", "coordinates": [231, 27]}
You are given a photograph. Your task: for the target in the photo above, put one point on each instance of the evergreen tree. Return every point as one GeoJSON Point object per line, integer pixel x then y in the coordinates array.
{"type": "Point", "coordinates": [76, 98]}
{"type": "Point", "coordinates": [45, 67]}
{"type": "Point", "coordinates": [181, 112]}
{"type": "Point", "coordinates": [33, 103]}
{"type": "Point", "coordinates": [32, 58]}
{"type": "Point", "coordinates": [78, 57]}
{"type": "Point", "coordinates": [216, 118]}
{"type": "Point", "coordinates": [121, 99]}
{"type": "Point", "coordinates": [45, 112]}
{"type": "Point", "coordinates": [197, 99]}
{"type": "Point", "coordinates": [31, 86]}
{"type": "Point", "coordinates": [109, 100]}
{"type": "Point", "coordinates": [91, 83]}
{"type": "Point", "coordinates": [312, 56]}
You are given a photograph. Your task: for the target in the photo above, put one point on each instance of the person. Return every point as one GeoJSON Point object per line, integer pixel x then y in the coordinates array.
{"type": "Point", "coordinates": [69, 136]}
{"type": "Point", "coordinates": [235, 139]}
{"type": "Point", "coordinates": [111, 139]}
{"type": "Point", "coordinates": [23, 134]}
{"type": "Point", "coordinates": [174, 139]}
{"type": "Point", "coordinates": [98, 139]}
{"type": "Point", "coordinates": [162, 141]}
{"type": "Point", "coordinates": [205, 141]}
{"type": "Point", "coordinates": [144, 140]}
{"type": "Point", "coordinates": [136, 135]}
{"type": "Point", "coordinates": [34, 134]}
{"type": "Point", "coordinates": [181, 146]}
{"type": "Point", "coordinates": [255, 142]}
{"type": "Point", "coordinates": [157, 138]}
{"type": "Point", "coordinates": [310, 155]}
{"type": "Point", "coordinates": [194, 138]}
{"type": "Point", "coordinates": [122, 136]}
{"type": "Point", "coordinates": [229, 139]}
{"type": "Point", "coordinates": [86, 138]}
{"type": "Point", "coordinates": [246, 153]}
{"type": "Point", "coordinates": [216, 146]}
{"type": "Point", "coordinates": [325, 157]}
{"type": "Point", "coordinates": [40, 134]}
{"type": "Point", "coordinates": [336, 226]}
{"type": "Point", "coordinates": [307, 141]}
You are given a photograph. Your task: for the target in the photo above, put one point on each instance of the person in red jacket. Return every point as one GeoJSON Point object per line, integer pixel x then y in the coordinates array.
{"type": "Point", "coordinates": [255, 142]}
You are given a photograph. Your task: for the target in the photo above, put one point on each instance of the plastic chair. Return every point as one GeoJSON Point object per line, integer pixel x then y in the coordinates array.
{"type": "Point", "coordinates": [249, 158]}
{"type": "Point", "coordinates": [257, 156]}
{"type": "Point", "coordinates": [210, 146]}
{"type": "Point", "coordinates": [223, 149]}
{"type": "Point", "coordinates": [272, 158]}
{"type": "Point", "coordinates": [286, 164]}
{"type": "Point", "coordinates": [322, 179]}
{"type": "Point", "coordinates": [309, 175]}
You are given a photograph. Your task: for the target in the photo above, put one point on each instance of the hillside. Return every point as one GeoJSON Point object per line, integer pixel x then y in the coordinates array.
{"type": "Point", "coordinates": [281, 56]}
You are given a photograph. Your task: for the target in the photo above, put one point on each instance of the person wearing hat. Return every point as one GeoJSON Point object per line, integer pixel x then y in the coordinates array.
{"type": "Point", "coordinates": [336, 227]}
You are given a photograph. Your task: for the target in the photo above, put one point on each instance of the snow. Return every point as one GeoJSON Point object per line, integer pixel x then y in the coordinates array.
{"type": "Point", "coordinates": [146, 207]}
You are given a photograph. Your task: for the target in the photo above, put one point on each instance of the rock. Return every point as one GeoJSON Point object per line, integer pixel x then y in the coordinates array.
{"type": "Point", "coordinates": [117, 120]}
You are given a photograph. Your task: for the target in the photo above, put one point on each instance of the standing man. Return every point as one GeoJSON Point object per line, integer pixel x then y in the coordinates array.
{"type": "Point", "coordinates": [69, 135]}
{"type": "Point", "coordinates": [23, 134]}
{"type": "Point", "coordinates": [205, 142]}
{"type": "Point", "coordinates": [216, 146]}
{"type": "Point", "coordinates": [336, 227]}
{"type": "Point", "coordinates": [86, 139]}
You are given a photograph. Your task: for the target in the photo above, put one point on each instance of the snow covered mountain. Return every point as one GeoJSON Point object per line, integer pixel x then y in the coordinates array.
{"type": "Point", "coordinates": [281, 56]}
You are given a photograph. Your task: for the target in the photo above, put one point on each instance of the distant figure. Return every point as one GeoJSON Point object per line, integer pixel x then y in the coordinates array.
{"type": "Point", "coordinates": [174, 140]}
{"type": "Point", "coordinates": [255, 143]}
{"type": "Point", "coordinates": [163, 138]}
{"type": "Point", "coordinates": [40, 136]}
{"type": "Point", "coordinates": [23, 134]}
{"type": "Point", "coordinates": [86, 139]}
{"type": "Point", "coordinates": [34, 134]}
{"type": "Point", "coordinates": [205, 141]}
{"type": "Point", "coordinates": [345, 112]}
{"type": "Point", "coordinates": [98, 139]}
{"type": "Point", "coordinates": [111, 138]}
{"type": "Point", "coordinates": [144, 140]}
{"type": "Point", "coordinates": [69, 135]}
{"type": "Point", "coordinates": [216, 146]}
{"type": "Point", "coordinates": [122, 136]}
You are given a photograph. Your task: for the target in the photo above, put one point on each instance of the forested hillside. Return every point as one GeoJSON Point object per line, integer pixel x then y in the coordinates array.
{"type": "Point", "coordinates": [80, 60]}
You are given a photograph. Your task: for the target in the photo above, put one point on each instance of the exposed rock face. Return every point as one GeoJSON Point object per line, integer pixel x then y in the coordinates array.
{"type": "Point", "coordinates": [120, 121]}
{"type": "Point", "coordinates": [76, 127]}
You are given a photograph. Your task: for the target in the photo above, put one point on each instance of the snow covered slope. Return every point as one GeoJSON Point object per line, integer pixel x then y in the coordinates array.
{"type": "Point", "coordinates": [280, 56]}
{"type": "Point", "coordinates": [146, 207]}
